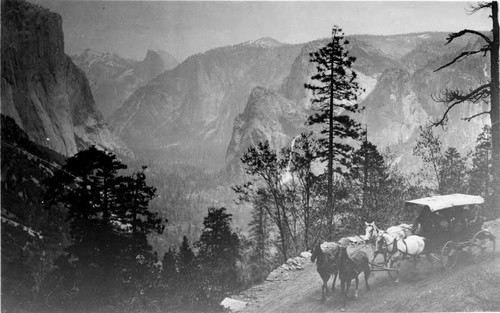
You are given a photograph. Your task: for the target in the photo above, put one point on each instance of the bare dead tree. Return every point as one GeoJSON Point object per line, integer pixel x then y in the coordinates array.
{"type": "Point", "coordinates": [453, 98]}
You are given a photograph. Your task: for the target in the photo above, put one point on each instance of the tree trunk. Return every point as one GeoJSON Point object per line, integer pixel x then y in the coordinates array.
{"type": "Point", "coordinates": [495, 105]}
{"type": "Point", "coordinates": [329, 203]}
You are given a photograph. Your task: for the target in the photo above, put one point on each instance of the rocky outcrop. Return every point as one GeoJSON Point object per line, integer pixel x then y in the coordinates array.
{"type": "Point", "coordinates": [42, 90]}
{"type": "Point", "coordinates": [113, 78]}
{"type": "Point", "coordinates": [267, 117]}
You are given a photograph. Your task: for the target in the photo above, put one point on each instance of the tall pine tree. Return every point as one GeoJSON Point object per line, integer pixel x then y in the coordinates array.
{"type": "Point", "coordinates": [218, 253]}
{"type": "Point", "coordinates": [335, 92]}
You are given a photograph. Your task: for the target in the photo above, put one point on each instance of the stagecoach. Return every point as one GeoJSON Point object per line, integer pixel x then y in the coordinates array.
{"type": "Point", "coordinates": [446, 227]}
{"type": "Point", "coordinates": [453, 225]}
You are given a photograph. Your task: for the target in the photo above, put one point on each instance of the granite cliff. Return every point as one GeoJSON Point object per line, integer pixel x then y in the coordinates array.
{"type": "Point", "coordinates": [42, 89]}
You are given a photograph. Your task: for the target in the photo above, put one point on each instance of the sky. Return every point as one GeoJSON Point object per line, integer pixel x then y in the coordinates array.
{"type": "Point", "coordinates": [183, 28]}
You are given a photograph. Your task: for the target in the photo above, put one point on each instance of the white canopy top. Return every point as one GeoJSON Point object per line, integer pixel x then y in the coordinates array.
{"type": "Point", "coordinates": [437, 203]}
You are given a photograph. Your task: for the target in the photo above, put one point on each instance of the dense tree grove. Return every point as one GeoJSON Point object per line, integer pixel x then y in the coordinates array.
{"type": "Point", "coordinates": [109, 224]}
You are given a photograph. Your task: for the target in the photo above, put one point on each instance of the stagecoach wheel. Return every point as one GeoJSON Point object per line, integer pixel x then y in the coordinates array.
{"type": "Point", "coordinates": [449, 255]}
{"type": "Point", "coordinates": [482, 246]}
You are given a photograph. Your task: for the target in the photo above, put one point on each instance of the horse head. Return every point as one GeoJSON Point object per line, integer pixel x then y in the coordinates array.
{"type": "Point", "coordinates": [317, 252]}
{"type": "Point", "coordinates": [383, 241]}
{"type": "Point", "coordinates": [371, 231]}
{"type": "Point", "coordinates": [342, 257]}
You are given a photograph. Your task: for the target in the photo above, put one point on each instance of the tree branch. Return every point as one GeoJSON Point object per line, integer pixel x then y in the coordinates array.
{"type": "Point", "coordinates": [481, 5]}
{"type": "Point", "coordinates": [452, 36]}
{"type": "Point", "coordinates": [455, 97]}
{"type": "Point", "coordinates": [468, 119]}
{"type": "Point", "coordinates": [464, 55]}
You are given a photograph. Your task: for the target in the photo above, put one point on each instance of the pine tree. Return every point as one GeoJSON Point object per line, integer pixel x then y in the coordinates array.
{"type": "Point", "coordinates": [453, 172]}
{"type": "Point", "coordinates": [370, 173]}
{"type": "Point", "coordinates": [481, 172]}
{"type": "Point", "coordinates": [188, 278]}
{"type": "Point", "coordinates": [185, 258]}
{"type": "Point", "coordinates": [335, 91]}
{"type": "Point", "coordinates": [218, 253]}
{"type": "Point", "coordinates": [169, 274]}
{"type": "Point", "coordinates": [259, 233]}
{"type": "Point", "coordinates": [107, 251]}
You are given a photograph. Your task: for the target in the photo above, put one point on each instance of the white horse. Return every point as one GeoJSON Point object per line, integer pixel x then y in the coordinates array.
{"type": "Point", "coordinates": [397, 249]}
{"type": "Point", "coordinates": [372, 232]}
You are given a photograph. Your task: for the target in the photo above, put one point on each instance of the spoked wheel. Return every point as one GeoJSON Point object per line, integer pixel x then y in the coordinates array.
{"type": "Point", "coordinates": [449, 255]}
{"type": "Point", "coordinates": [482, 246]}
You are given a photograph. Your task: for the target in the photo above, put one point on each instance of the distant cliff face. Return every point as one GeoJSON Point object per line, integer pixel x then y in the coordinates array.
{"type": "Point", "coordinates": [113, 78]}
{"type": "Point", "coordinates": [193, 106]}
{"type": "Point", "coordinates": [268, 116]}
{"type": "Point", "coordinates": [397, 73]}
{"type": "Point", "coordinates": [42, 90]}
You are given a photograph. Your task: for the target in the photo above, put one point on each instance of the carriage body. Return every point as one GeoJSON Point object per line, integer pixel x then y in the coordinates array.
{"type": "Point", "coordinates": [451, 224]}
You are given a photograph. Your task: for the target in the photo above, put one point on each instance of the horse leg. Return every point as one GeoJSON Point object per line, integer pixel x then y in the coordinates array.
{"type": "Point", "coordinates": [367, 274]}
{"type": "Point", "coordinates": [342, 293]}
{"type": "Point", "coordinates": [415, 263]}
{"type": "Point", "coordinates": [324, 291]}
{"type": "Point", "coordinates": [324, 288]}
{"type": "Point", "coordinates": [348, 286]}
{"type": "Point", "coordinates": [388, 264]}
{"type": "Point", "coordinates": [356, 291]}
{"type": "Point", "coordinates": [391, 264]}
{"type": "Point", "coordinates": [334, 280]}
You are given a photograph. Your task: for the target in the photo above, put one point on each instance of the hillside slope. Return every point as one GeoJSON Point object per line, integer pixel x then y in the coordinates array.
{"type": "Point", "coordinates": [467, 287]}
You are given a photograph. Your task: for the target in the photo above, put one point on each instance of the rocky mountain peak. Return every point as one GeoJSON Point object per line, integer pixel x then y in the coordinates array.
{"type": "Point", "coordinates": [265, 42]}
{"type": "Point", "coordinates": [42, 89]}
{"type": "Point", "coordinates": [169, 61]}
{"type": "Point", "coordinates": [150, 67]}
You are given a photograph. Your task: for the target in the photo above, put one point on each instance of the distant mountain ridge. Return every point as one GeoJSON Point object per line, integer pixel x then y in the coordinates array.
{"type": "Point", "coordinates": [191, 109]}
{"type": "Point", "coordinates": [113, 79]}
{"type": "Point", "coordinates": [42, 90]}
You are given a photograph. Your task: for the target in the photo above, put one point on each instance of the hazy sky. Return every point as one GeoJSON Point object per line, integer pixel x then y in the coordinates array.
{"type": "Point", "coordinates": [187, 27]}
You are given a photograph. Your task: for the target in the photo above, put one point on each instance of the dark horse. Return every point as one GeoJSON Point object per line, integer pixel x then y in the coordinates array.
{"type": "Point", "coordinates": [326, 265]}
{"type": "Point", "coordinates": [349, 269]}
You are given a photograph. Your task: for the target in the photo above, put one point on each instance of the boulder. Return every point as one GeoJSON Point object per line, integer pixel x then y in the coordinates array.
{"type": "Point", "coordinates": [233, 304]}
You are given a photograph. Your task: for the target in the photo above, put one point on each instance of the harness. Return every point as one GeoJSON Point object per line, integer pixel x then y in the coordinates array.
{"type": "Point", "coordinates": [395, 248]}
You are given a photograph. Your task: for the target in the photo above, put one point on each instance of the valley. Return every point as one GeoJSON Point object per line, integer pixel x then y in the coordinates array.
{"type": "Point", "coordinates": [127, 180]}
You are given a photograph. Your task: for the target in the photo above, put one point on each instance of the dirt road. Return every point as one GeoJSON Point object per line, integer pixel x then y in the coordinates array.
{"type": "Point", "coordinates": [467, 287]}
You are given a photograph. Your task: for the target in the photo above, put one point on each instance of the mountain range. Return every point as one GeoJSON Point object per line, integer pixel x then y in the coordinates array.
{"type": "Point", "coordinates": [208, 109]}
{"type": "Point", "coordinates": [208, 106]}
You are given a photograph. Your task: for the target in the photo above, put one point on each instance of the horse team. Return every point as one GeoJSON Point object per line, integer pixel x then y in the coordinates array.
{"type": "Point", "coordinates": [394, 244]}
